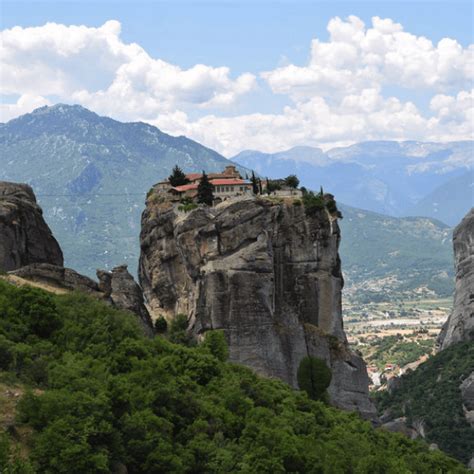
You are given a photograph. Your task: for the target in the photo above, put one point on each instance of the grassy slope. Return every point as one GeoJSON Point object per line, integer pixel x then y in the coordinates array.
{"type": "Point", "coordinates": [110, 397]}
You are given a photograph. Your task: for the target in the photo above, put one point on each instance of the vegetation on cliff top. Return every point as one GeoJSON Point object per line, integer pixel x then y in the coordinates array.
{"type": "Point", "coordinates": [431, 395]}
{"type": "Point", "coordinates": [102, 397]}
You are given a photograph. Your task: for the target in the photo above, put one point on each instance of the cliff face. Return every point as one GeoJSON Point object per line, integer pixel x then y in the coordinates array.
{"type": "Point", "coordinates": [460, 324]}
{"type": "Point", "coordinates": [266, 274]}
{"type": "Point", "coordinates": [25, 237]}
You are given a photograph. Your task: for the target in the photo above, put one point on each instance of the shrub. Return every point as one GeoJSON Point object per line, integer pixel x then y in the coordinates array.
{"type": "Point", "coordinates": [178, 331]}
{"type": "Point", "coordinates": [187, 207]}
{"type": "Point", "coordinates": [216, 344]}
{"type": "Point", "coordinates": [313, 203]}
{"type": "Point", "coordinates": [314, 377]}
{"type": "Point", "coordinates": [161, 325]}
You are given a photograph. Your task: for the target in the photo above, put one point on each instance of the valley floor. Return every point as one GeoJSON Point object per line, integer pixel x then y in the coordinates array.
{"type": "Point", "coordinates": [394, 336]}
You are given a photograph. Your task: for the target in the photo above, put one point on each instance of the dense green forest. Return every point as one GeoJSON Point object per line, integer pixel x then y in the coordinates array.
{"type": "Point", "coordinates": [101, 397]}
{"type": "Point", "coordinates": [431, 395]}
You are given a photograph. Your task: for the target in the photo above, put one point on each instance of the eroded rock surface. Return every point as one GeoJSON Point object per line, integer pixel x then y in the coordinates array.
{"type": "Point", "coordinates": [467, 393]}
{"type": "Point", "coordinates": [265, 273]}
{"type": "Point", "coordinates": [57, 276]}
{"type": "Point", "coordinates": [460, 324]}
{"type": "Point", "coordinates": [123, 292]}
{"type": "Point", "coordinates": [25, 237]}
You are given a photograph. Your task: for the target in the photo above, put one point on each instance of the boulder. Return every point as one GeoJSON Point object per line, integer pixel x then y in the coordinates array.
{"type": "Point", "coordinates": [123, 292]}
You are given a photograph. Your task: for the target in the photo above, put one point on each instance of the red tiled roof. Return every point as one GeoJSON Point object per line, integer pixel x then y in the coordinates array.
{"type": "Point", "coordinates": [194, 176]}
{"type": "Point", "coordinates": [228, 181]}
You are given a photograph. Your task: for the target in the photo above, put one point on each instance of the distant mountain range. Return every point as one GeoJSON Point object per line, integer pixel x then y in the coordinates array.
{"type": "Point", "coordinates": [385, 257]}
{"type": "Point", "coordinates": [91, 175]}
{"type": "Point", "coordinates": [394, 178]}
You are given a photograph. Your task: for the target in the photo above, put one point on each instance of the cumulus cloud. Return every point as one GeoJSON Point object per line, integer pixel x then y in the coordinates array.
{"type": "Point", "coordinates": [345, 94]}
{"type": "Point", "coordinates": [25, 103]}
{"type": "Point", "coordinates": [357, 58]}
{"type": "Point", "coordinates": [367, 116]}
{"type": "Point", "coordinates": [94, 67]}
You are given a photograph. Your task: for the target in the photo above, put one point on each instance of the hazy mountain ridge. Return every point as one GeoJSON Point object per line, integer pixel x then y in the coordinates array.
{"type": "Point", "coordinates": [91, 175]}
{"type": "Point", "coordinates": [386, 257]}
{"type": "Point", "coordinates": [382, 176]}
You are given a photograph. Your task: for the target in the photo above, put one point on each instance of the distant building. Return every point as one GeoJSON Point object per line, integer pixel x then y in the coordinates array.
{"type": "Point", "coordinates": [227, 184]}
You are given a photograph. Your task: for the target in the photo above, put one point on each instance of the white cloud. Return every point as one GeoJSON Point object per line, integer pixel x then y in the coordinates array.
{"type": "Point", "coordinates": [95, 67]}
{"type": "Point", "coordinates": [367, 116]}
{"type": "Point", "coordinates": [357, 58]}
{"type": "Point", "coordinates": [25, 103]}
{"type": "Point", "coordinates": [344, 94]}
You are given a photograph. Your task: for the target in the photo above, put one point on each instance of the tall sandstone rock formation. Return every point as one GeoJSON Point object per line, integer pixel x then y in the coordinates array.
{"type": "Point", "coordinates": [265, 273]}
{"type": "Point", "coordinates": [25, 238]}
{"type": "Point", "coordinates": [460, 324]}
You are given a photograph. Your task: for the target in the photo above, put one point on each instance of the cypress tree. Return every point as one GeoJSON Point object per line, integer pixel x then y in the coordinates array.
{"type": "Point", "coordinates": [177, 177]}
{"type": "Point", "coordinates": [253, 180]}
{"type": "Point", "coordinates": [314, 377]}
{"type": "Point", "coordinates": [205, 190]}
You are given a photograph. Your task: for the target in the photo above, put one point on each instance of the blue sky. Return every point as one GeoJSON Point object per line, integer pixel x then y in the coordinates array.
{"type": "Point", "coordinates": [253, 38]}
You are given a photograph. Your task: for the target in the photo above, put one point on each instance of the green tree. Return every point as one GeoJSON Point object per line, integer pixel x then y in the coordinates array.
{"type": "Point", "coordinates": [314, 377]}
{"type": "Point", "coordinates": [178, 330]}
{"type": "Point", "coordinates": [177, 177]}
{"type": "Point", "coordinates": [216, 343]}
{"type": "Point", "coordinates": [292, 181]}
{"type": "Point", "coordinates": [254, 182]}
{"type": "Point", "coordinates": [205, 190]}
{"type": "Point", "coordinates": [161, 326]}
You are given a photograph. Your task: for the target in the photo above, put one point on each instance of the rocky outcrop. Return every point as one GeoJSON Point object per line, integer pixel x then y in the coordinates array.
{"type": "Point", "coordinates": [117, 288]}
{"type": "Point", "coordinates": [399, 425]}
{"type": "Point", "coordinates": [29, 251]}
{"type": "Point", "coordinates": [25, 237]}
{"type": "Point", "coordinates": [467, 394]}
{"type": "Point", "coordinates": [265, 273]}
{"type": "Point", "coordinates": [57, 277]}
{"type": "Point", "coordinates": [460, 324]}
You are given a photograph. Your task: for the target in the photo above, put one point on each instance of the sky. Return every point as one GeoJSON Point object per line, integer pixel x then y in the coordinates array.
{"type": "Point", "coordinates": [238, 75]}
